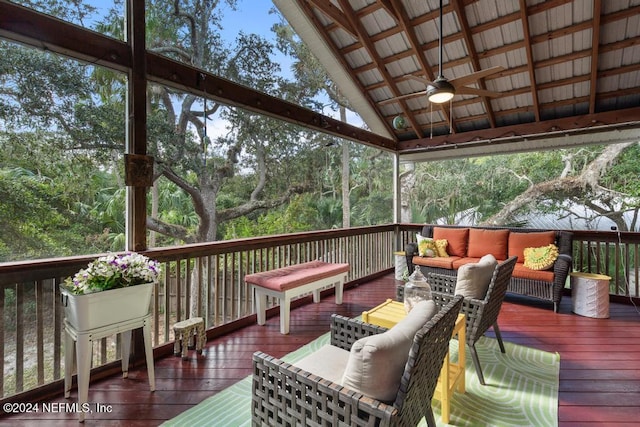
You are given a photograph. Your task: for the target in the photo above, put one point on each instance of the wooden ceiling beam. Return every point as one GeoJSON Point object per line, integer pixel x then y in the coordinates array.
{"type": "Point", "coordinates": [595, 43]}
{"type": "Point", "coordinates": [561, 32]}
{"type": "Point", "coordinates": [165, 71]}
{"type": "Point", "coordinates": [619, 15]}
{"type": "Point", "coordinates": [407, 28]}
{"type": "Point", "coordinates": [356, 23]}
{"type": "Point", "coordinates": [332, 12]}
{"type": "Point", "coordinates": [530, 63]}
{"type": "Point", "coordinates": [473, 57]}
{"type": "Point", "coordinates": [47, 33]}
{"type": "Point", "coordinates": [546, 5]}
{"type": "Point", "coordinates": [308, 10]}
{"type": "Point", "coordinates": [618, 118]}
{"type": "Point", "coordinates": [498, 22]}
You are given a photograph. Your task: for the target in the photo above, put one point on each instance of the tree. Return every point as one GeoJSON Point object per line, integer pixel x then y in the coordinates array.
{"type": "Point", "coordinates": [187, 35]}
{"type": "Point", "coordinates": [586, 187]}
{"type": "Point", "coordinates": [87, 105]}
{"type": "Point", "coordinates": [501, 190]}
{"type": "Point", "coordinates": [309, 70]}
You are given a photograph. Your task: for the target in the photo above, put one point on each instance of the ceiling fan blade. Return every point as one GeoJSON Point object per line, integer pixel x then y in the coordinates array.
{"type": "Point", "coordinates": [418, 78]}
{"type": "Point", "coordinates": [397, 98]}
{"type": "Point", "coordinates": [463, 80]}
{"type": "Point", "coordinates": [465, 90]}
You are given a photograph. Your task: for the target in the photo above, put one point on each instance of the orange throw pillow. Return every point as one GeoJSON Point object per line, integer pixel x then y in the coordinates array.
{"type": "Point", "coordinates": [518, 242]}
{"type": "Point", "coordinates": [456, 237]}
{"type": "Point", "coordinates": [483, 242]}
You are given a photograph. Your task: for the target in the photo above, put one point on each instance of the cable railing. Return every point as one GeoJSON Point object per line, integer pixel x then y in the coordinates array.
{"type": "Point", "coordinates": [207, 280]}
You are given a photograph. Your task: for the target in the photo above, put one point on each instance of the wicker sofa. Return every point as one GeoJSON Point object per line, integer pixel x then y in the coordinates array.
{"type": "Point", "coordinates": [503, 242]}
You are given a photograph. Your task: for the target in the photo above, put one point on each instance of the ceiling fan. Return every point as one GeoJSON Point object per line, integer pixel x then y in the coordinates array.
{"type": "Point", "coordinates": [441, 89]}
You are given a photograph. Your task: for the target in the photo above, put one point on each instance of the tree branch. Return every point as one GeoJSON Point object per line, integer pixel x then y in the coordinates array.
{"type": "Point", "coordinates": [561, 187]}
{"type": "Point", "coordinates": [253, 205]}
{"type": "Point", "coordinates": [172, 230]}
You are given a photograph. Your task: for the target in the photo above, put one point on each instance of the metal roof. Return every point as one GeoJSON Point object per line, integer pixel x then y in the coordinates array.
{"type": "Point", "coordinates": [570, 67]}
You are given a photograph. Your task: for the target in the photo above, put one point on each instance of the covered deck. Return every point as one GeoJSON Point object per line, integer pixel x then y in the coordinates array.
{"type": "Point", "coordinates": [599, 379]}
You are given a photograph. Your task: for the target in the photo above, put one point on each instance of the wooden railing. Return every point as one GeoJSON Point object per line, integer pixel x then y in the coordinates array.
{"type": "Point", "coordinates": [206, 280]}
{"type": "Point", "coordinates": [612, 253]}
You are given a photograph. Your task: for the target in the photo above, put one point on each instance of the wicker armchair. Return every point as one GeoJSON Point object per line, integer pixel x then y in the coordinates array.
{"type": "Point", "coordinates": [480, 314]}
{"type": "Point", "coordinates": [285, 395]}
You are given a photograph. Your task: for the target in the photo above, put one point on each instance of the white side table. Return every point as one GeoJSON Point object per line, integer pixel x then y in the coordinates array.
{"type": "Point", "coordinates": [400, 264]}
{"type": "Point", "coordinates": [590, 295]}
{"type": "Point", "coordinates": [83, 344]}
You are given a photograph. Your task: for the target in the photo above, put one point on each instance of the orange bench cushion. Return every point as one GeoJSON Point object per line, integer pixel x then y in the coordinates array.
{"type": "Point", "coordinates": [285, 278]}
{"type": "Point", "coordinates": [483, 242]}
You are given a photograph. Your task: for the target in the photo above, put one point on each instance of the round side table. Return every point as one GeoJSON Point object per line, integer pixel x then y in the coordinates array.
{"type": "Point", "coordinates": [590, 295]}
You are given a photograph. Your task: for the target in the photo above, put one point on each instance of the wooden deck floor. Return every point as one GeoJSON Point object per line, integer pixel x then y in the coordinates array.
{"type": "Point", "coordinates": [599, 376]}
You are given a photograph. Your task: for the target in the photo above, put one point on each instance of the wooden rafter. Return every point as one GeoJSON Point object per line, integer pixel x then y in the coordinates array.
{"type": "Point", "coordinates": [530, 62]}
{"type": "Point", "coordinates": [375, 57]}
{"type": "Point", "coordinates": [404, 22]}
{"type": "Point", "coordinates": [473, 56]}
{"type": "Point", "coordinates": [595, 43]}
{"type": "Point", "coordinates": [334, 13]}
{"type": "Point", "coordinates": [352, 34]}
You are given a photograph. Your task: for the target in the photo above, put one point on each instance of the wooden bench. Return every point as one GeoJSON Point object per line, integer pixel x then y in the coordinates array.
{"type": "Point", "coordinates": [289, 282]}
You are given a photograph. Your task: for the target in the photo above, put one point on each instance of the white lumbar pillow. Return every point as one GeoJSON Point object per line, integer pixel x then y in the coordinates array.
{"type": "Point", "coordinates": [376, 363]}
{"type": "Point", "coordinates": [474, 278]}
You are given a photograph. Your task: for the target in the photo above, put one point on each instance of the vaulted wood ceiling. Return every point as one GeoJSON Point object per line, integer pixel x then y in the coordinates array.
{"type": "Point", "coordinates": [571, 67]}
{"type": "Point", "coordinates": [571, 70]}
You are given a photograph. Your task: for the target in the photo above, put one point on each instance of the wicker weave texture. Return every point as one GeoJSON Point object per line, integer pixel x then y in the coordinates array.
{"type": "Point", "coordinates": [283, 395]}
{"type": "Point", "coordinates": [480, 314]}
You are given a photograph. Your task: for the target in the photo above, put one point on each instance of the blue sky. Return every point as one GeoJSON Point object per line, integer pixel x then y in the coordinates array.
{"type": "Point", "coordinates": [251, 16]}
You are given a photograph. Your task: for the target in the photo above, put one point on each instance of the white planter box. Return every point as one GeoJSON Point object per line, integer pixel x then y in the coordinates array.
{"type": "Point", "coordinates": [90, 311]}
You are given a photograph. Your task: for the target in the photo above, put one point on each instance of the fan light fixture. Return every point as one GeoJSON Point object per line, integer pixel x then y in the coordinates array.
{"type": "Point", "coordinates": [440, 90]}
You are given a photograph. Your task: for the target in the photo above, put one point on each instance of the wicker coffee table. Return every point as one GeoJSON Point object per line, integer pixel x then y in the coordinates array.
{"type": "Point", "coordinates": [452, 375]}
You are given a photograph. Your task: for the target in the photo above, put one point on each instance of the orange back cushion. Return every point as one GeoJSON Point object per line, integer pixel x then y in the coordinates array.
{"type": "Point", "coordinates": [456, 237]}
{"type": "Point", "coordinates": [483, 242]}
{"type": "Point", "coordinates": [518, 242]}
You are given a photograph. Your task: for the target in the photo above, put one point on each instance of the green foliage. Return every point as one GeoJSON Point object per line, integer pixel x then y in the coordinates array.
{"type": "Point", "coordinates": [447, 189]}
{"type": "Point", "coordinates": [624, 173]}
{"type": "Point", "coordinates": [62, 186]}
{"type": "Point", "coordinates": [281, 221]}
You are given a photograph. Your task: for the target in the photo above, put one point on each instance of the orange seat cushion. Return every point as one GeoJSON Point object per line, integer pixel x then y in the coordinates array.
{"type": "Point", "coordinates": [483, 242]}
{"type": "Point", "coordinates": [518, 242]}
{"type": "Point", "coordinates": [459, 262]}
{"type": "Point", "coordinates": [436, 262]}
{"type": "Point", "coordinates": [457, 238]}
{"type": "Point", "coordinates": [526, 273]}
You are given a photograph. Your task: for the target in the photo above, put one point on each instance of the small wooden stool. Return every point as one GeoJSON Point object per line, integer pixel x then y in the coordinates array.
{"type": "Point", "coordinates": [186, 330]}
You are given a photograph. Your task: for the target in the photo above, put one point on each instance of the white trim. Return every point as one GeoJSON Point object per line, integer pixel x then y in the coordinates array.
{"type": "Point", "coordinates": [306, 30]}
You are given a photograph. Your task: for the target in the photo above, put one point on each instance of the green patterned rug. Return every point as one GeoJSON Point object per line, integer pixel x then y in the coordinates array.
{"type": "Point", "coordinates": [521, 390]}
